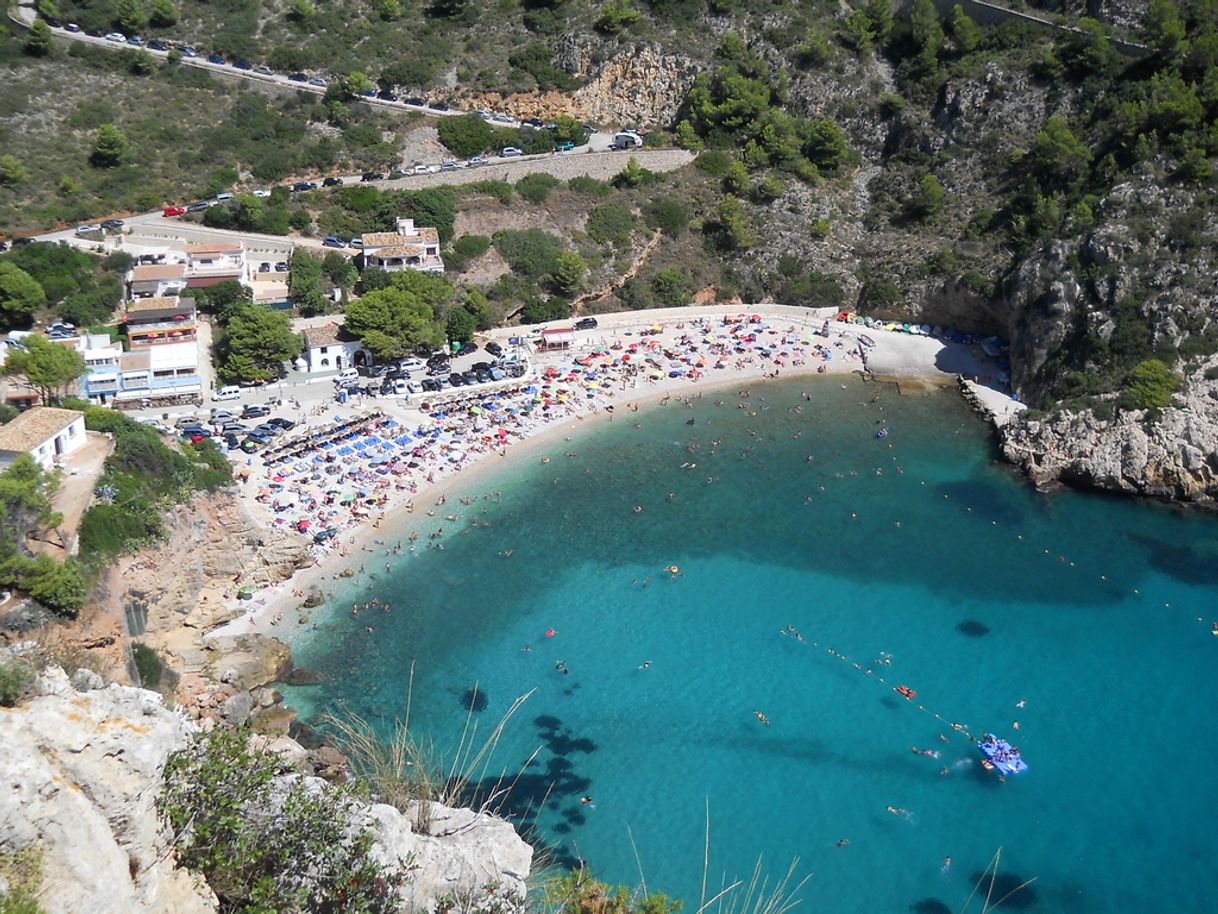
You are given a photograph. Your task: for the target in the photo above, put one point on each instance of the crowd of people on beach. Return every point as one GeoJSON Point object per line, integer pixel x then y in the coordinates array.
{"type": "Point", "coordinates": [351, 470]}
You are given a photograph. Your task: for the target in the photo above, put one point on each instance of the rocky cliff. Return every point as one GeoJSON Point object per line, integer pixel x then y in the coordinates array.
{"type": "Point", "coordinates": [82, 771]}
{"type": "Point", "coordinates": [1172, 455]}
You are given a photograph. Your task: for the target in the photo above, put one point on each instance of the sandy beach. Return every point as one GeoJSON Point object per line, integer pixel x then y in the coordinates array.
{"type": "Point", "coordinates": [430, 456]}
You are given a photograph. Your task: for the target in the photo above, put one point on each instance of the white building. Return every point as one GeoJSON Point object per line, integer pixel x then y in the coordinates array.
{"type": "Point", "coordinates": [408, 248]}
{"type": "Point", "coordinates": [102, 357]}
{"type": "Point", "coordinates": [330, 348]}
{"type": "Point", "coordinates": [45, 433]}
{"type": "Point", "coordinates": [214, 262]}
{"type": "Point", "coordinates": [156, 280]}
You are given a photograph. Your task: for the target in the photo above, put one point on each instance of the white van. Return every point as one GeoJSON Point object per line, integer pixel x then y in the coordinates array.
{"type": "Point", "coordinates": [231, 392]}
{"type": "Point", "coordinates": [347, 374]}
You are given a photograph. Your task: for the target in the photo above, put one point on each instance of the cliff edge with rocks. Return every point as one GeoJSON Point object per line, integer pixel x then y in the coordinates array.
{"type": "Point", "coordinates": [82, 771]}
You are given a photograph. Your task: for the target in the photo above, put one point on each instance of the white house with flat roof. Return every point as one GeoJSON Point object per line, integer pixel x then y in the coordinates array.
{"type": "Point", "coordinates": [45, 433]}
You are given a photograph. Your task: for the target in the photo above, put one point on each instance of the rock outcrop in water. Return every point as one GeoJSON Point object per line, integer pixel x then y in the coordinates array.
{"type": "Point", "coordinates": [1174, 456]}
{"type": "Point", "coordinates": [82, 770]}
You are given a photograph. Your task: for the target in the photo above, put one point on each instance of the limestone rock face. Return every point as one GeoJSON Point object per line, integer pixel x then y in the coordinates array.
{"type": "Point", "coordinates": [643, 88]}
{"type": "Point", "coordinates": [640, 87]}
{"type": "Point", "coordinates": [80, 771]}
{"type": "Point", "coordinates": [1175, 456]}
{"type": "Point", "coordinates": [461, 853]}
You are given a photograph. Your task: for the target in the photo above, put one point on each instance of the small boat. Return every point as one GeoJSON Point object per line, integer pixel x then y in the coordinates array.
{"type": "Point", "coordinates": [882, 433]}
{"type": "Point", "coordinates": [905, 691]}
{"type": "Point", "coordinates": [1000, 755]}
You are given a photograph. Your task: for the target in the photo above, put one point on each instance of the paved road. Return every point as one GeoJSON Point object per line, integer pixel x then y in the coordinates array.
{"type": "Point", "coordinates": [24, 14]}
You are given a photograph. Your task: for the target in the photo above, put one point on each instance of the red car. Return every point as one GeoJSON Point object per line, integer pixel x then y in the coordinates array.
{"type": "Point", "coordinates": [173, 210]}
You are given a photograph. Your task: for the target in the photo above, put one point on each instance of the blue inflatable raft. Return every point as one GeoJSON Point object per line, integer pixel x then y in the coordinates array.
{"type": "Point", "coordinates": [1002, 755]}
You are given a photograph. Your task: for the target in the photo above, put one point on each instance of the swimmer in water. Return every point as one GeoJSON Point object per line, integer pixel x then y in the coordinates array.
{"type": "Point", "coordinates": [947, 864]}
{"type": "Point", "coordinates": [645, 665]}
{"type": "Point", "coordinates": [842, 842]}
{"type": "Point", "coordinates": [761, 717]}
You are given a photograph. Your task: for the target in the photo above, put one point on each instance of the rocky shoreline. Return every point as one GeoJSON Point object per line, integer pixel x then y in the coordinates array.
{"type": "Point", "coordinates": [1170, 455]}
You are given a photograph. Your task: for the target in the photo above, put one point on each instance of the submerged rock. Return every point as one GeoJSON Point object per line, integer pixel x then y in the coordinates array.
{"type": "Point", "coordinates": [971, 628]}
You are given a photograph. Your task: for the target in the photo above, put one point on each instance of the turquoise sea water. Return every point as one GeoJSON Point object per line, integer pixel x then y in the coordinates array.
{"type": "Point", "coordinates": [917, 548]}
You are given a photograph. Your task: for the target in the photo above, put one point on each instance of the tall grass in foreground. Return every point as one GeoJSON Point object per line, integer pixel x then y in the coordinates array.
{"type": "Point", "coordinates": [410, 774]}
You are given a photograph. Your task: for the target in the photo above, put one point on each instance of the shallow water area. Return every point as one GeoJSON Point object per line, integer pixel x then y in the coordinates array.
{"type": "Point", "coordinates": [796, 530]}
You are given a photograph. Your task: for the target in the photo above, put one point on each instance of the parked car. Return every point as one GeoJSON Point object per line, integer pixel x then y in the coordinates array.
{"type": "Point", "coordinates": [199, 206]}
{"type": "Point", "coordinates": [281, 266]}
{"type": "Point", "coordinates": [415, 100]}
{"type": "Point", "coordinates": [303, 186]}
{"type": "Point", "coordinates": [157, 45]}
{"type": "Point", "coordinates": [286, 424]}
{"type": "Point", "coordinates": [224, 197]}
{"type": "Point", "coordinates": [187, 51]}
{"type": "Point", "coordinates": [332, 182]}
{"type": "Point", "coordinates": [228, 392]}
{"type": "Point", "coordinates": [438, 106]}
{"type": "Point", "coordinates": [448, 165]}
{"type": "Point", "coordinates": [371, 176]}
{"type": "Point", "coordinates": [116, 37]}
{"type": "Point", "coordinates": [387, 95]}
{"type": "Point", "coordinates": [266, 430]}
{"type": "Point", "coordinates": [493, 348]}
{"type": "Point", "coordinates": [564, 146]}
{"type": "Point", "coordinates": [232, 440]}
{"type": "Point", "coordinates": [72, 27]}
{"type": "Point", "coordinates": [396, 175]}
{"type": "Point", "coordinates": [475, 161]}
{"type": "Point", "coordinates": [264, 267]}
{"type": "Point", "coordinates": [261, 193]}
{"type": "Point", "coordinates": [298, 78]}
{"type": "Point", "coordinates": [219, 414]}
{"type": "Point", "coordinates": [255, 411]}
{"type": "Point", "coordinates": [429, 385]}
{"type": "Point", "coordinates": [419, 168]}
{"type": "Point", "coordinates": [586, 323]}
{"type": "Point", "coordinates": [356, 242]}
{"type": "Point", "coordinates": [217, 60]}
{"type": "Point", "coordinates": [332, 241]}
{"type": "Point", "coordinates": [264, 70]}
{"type": "Point", "coordinates": [317, 81]}
{"type": "Point", "coordinates": [454, 380]}
{"type": "Point", "coordinates": [173, 211]}
{"type": "Point", "coordinates": [399, 386]}
{"type": "Point", "coordinates": [113, 225]}
{"type": "Point", "coordinates": [87, 228]}
{"type": "Point", "coordinates": [242, 64]}
{"type": "Point", "coordinates": [509, 151]}
{"type": "Point", "coordinates": [531, 122]}
{"type": "Point", "coordinates": [467, 349]}
{"type": "Point", "coordinates": [411, 365]}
